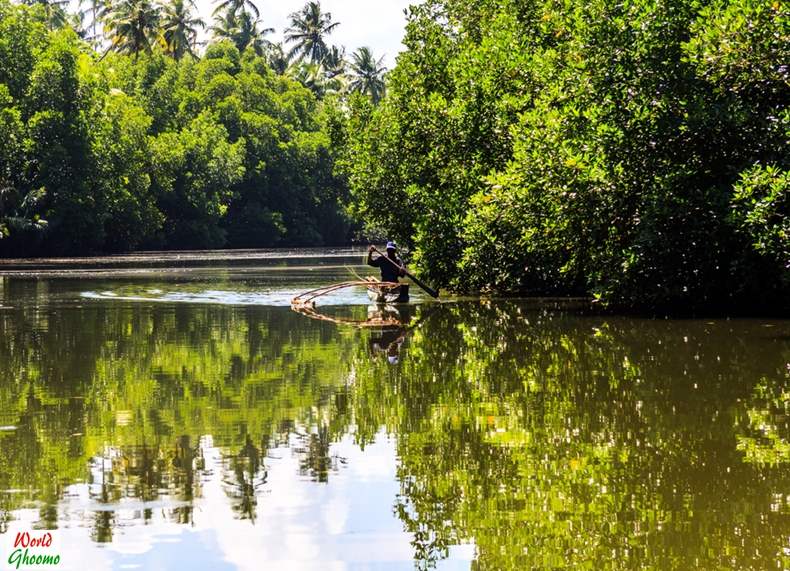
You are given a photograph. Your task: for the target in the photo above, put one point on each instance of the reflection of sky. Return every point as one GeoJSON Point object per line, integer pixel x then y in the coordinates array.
{"type": "Point", "coordinates": [264, 286]}
{"type": "Point", "coordinates": [347, 523]}
{"type": "Point", "coordinates": [349, 296]}
{"type": "Point", "coordinates": [266, 281]}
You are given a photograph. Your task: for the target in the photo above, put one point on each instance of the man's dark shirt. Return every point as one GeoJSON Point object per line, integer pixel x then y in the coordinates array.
{"type": "Point", "coordinates": [389, 273]}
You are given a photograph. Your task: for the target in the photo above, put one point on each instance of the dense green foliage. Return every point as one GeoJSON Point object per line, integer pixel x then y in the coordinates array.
{"type": "Point", "coordinates": [636, 151]}
{"type": "Point", "coordinates": [146, 145]}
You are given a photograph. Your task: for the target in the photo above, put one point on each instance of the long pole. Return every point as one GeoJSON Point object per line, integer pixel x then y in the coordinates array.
{"type": "Point", "coordinates": [428, 289]}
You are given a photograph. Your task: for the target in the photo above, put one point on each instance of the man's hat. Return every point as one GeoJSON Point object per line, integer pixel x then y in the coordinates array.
{"type": "Point", "coordinates": [391, 246]}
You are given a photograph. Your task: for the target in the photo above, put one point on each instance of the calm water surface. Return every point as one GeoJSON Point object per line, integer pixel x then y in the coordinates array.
{"type": "Point", "coordinates": [184, 417]}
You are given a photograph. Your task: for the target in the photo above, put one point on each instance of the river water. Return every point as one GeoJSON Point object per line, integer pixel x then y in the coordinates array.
{"type": "Point", "coordinates": [163, 413]}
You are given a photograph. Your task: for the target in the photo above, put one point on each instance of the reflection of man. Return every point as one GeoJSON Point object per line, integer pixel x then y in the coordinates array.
{"type": "Point", "coordinates": [400, 313]}
{"type": "Point", "coordinates": [389, 342]}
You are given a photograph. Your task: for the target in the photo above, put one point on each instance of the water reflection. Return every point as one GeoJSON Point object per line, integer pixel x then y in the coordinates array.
{"type": "Point", "coordinates": [541, 438]}
{"type": "Point", "coordinates": [387, 342]}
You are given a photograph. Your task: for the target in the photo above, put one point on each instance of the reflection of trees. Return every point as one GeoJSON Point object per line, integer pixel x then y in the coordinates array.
{"type": "Point", "coordinates": [118, 396]}
{"type": "Point", "coordinates": [245, 478]}
{"type": "Point", "coordinates": [552, 441]}
{"type": "Point", "coordinates": [764, 428]}
{"type": "Point", "coordinates": [107, 494]}
{"type": "Point", "coordinates": [315, 459]}
{"type": "Point", "coordinates": [547, 440]}
{"type": "Point", "coordinates": [187, 462]}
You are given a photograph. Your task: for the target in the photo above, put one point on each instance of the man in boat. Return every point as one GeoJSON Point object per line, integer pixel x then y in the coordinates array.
{"type": "Point", "coordinates": [391, 269]}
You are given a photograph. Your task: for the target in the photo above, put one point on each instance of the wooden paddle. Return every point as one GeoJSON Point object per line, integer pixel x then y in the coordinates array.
{"type": "Point", "coordinates": [428, 289]}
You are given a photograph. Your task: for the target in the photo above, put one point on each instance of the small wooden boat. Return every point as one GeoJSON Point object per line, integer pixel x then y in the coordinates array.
{"type": "Point", "coordinates": [385, 292]}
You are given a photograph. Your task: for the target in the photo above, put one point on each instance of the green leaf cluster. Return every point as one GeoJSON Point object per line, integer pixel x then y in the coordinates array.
{"type": "Point", "coordinates": [115, 152]}
{"type": "Point", "coordinates": [587, 148]}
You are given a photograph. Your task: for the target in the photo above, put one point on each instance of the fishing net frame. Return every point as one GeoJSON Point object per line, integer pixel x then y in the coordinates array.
{"type": "Point", "coordinates": [304, 303]}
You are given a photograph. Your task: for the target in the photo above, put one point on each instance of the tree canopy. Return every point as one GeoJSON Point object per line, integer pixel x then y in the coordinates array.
{"type": "Point", "coordinates": [637, 152]}
{"type": "Point", "coordinates": [308, 31]}
{"type": "Point", "coordinates": [143, 141]}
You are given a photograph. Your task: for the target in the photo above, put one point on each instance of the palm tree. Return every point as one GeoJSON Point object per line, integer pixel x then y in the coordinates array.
{"type": "Point", "coordinates": [310, 75]}
{"type": "Point", "coordinates": [179, 28]}
{"type": "Point", "coordinates": [308, 30]}
{"type": "Point", "coordinates": [278, 59]}
{"type": "Point", "coordinates": [236, 5]}
{"type": "Point", "coordinates": [133, 25]}
{"type": "Point", "coordinates": [368, 74]}
{"type": "Point", "coordinates": [55, 11]}
{"type": "Point", "coordinates": [242, 29]}
{"type": "Point", "coordinates": [76, 20]}
{"type": "Point", "coordinates": [97, 9]}
{"type": "Point", "coordinates": [250, 35]}
{"type": "Point", "coordinates": [225, 26]}
{"type": "Point", "coordinates": [334, 62]}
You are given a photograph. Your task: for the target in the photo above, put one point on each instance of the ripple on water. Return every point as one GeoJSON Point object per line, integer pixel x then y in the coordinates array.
{"type": "Point", "coordinates": [280, 298]}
